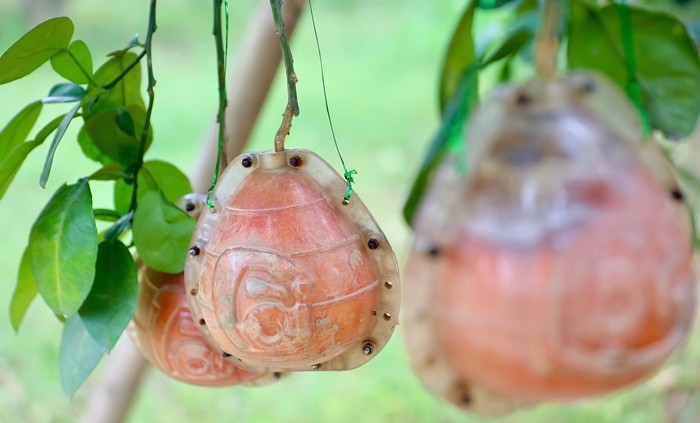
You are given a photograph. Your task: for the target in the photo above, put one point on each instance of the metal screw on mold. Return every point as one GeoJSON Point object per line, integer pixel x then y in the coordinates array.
{"type": "Point", "coordinates": [367, 348]}
{"type": "Point", "coordinates": [677, 194]}
{"type": "Point", "coordinates": [277, 375]}
{"type": "Point", "coordinates": [316, 366]}
{"type": "Point", "coordinates": [388, 285]}
{"type": "Point", "coordinates": [295, 161]}
{"type": "Point", "coordinates": [202, 322]}
{"type": "Point", "coordinates": [387, 316]}
{"type": "Point", "coordinates": [189, 207]}
{"type": "Point", "coordinates": [373, 244]}
{"type": "Point", "coordinates": [194, 251]}
{"type": "Point", "coordinates": [226, 355]}
{"type": "Point", "coordinates": [345, 201]}
{"type": "Point", "coordinates": [247, 161]}
{"type": "Point", "coordinates": [193, 291]}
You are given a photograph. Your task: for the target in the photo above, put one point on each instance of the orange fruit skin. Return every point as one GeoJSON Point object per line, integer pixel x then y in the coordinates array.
{"type": "Point", "coordinates": [170, 340]}
{"type": "Point", "coordinates": [291, 283]}
{"type": "Point", "coordinates": [579, 314]}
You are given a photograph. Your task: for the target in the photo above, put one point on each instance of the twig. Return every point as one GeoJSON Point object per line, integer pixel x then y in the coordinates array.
{"type": "Point", "coordinates": [221, 72]}
{"type": "Point", "coordinates": [151, 97]}
{"type": "Point", "coordinates": [548, 41]}
{"type": "Point", "coordinates": [292, 108]}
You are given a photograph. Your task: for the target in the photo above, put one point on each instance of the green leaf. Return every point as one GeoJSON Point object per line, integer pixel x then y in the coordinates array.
{"type": "Point", "coordinates": [112, 301]}
{"type": "Point", "coordinates": [449, 137]}
{"type": "Point", "coordinates": [64, 93]}
{"type": "Point", "coordinates": [492, 4]}
{"type": "Point", "coordinates": [78, 355]}
{"type": "Point", "coordinates": [125, 93]}
{"type": "Point", "coordinates": [63, 248]}
{"type": "Point", "coordinates": [514, 41]}
{"type": "Point", "coordinates": [74, 63]}
{"type": "Point", "coordinates": [667, 64]}
{"type": "Point", "coordinates": [10, 165]}
{"type": "Point", "coordinates": [126, 123]}
{"type": "Point", "coordinates": [24, 294]}
{"type": "Point", "coordinates": [19, 127]}
{"type": "Point", "coordinates": [34, 48]}
{"type": "Point", "coordinates": [165, 176]}
{"type": "Point", "coordinates": [162, 233]}
{"type": "Point", "coordinates": [58, 136]}
{"type": "Point", "coordinates": [460, 55]}
{"type": "Point", "coordinates": [102, 139]}
{"type": "Point", "coordinates": [110, 172]}
{"type": "Point", "coordinates": [106, 215]}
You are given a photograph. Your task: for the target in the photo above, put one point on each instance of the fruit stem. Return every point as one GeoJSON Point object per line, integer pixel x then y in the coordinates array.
{"type": "Point", "coordinates": [548, 41]}
{"type": "Point", "coordinates": [221, 73]}
{"type": "Point", "coordinates": [292, 108]}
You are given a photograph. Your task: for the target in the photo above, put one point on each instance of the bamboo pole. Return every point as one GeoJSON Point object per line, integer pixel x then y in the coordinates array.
{"type": "Point", "coordinates": [111, 397]}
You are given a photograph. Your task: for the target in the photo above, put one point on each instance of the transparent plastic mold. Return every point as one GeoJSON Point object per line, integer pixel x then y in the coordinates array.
{"type": "Point", "coordinates": [558, 265]}
{"type": "Point", "coordinates": [284, 274]}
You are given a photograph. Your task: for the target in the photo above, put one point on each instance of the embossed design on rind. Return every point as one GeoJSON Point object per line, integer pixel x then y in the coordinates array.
{"type": "Point", "coordinates": [170, 340]}
{"type": "Point", "coordinates": [284, 280]}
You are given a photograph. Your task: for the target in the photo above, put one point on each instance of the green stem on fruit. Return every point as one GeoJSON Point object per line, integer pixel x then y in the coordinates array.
{"type": "Point", "coordinates": [548, 40]}
{"type": "Point", "coordinates": [292, 108]}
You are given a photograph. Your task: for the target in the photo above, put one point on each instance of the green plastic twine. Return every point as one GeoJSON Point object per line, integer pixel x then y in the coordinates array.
{"type": "Point", "coordinates": [348, 174]}
{"type": "Point", "coordinates": [634, 90]}
{"type": "Point", "coordinates": [222, 94]}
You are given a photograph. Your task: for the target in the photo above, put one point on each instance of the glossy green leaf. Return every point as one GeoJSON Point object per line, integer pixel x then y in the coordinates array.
{"type": "Point", "coordinates": [10, 164]}
{"type": "Point", "coordinates": [24, 294]}
{"type": "Point", "coordinates": [460, 55]}
{"type": "Point", "coordinates": [101, 138]}
{"type": "Point", "coordinates": [667, 64]}
{"type": "Point", "coordinates": [449, 137]}
{"type": "Point", "coordinates": [63, 248]}
{"type": "Point", "coordinates": [112, 300]}
{"type": "Point", "coordinates": [17, 130]}
{"type": "Point", "coordinates": [110, 172]}
{"type": "Point", "coordinates": [125, 93]}
{"type": "Point", "coordinates": [162, 233]}
{"type": "Point", "coordinates": [78, 355]}
{"type": "Point", "coordinates": [74, 63]}
{"type": "Point", "coordinates": [169, 179]}
{"type": "Point", "coordinates": [34, 48]}
{"type": "Point", "coordinates": [67, 92]}
{"type": "Point", "coordinates": [58, 136]}
{"type": "Point", "coordinates": [125, 122]}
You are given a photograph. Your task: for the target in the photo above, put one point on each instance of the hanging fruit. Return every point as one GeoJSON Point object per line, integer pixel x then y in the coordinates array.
{"type": "Point", "coordinates": [168, 337]}
{"type": "Point", "coordinates": [284, 274]}
{"type": "Point", "coordinates": [558, 265]}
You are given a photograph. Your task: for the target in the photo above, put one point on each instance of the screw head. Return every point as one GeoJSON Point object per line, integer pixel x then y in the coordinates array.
{"type": "Point", "coordinates": [367, 348]}
{"type": "Point", "coordinates": [226, 355]}
{"type": "Point", "coordinates": [373, 244]}
{"type": "Point", "coordinates": [189, 207]}
{"type": "Point", "coordinates": [193, 291]}
{"type": "Point", "coordinates": [194, 251]}
{"type": "Point", "coordinates": [295, 161]}
{"type": "Point", "coordinates": [316, 366]}
{"type": "Point", "coordinates": [388, 285]}
{"type": "Point", "coordinates": [677, 194]}
{"type": "Point", "coordinates": [387, 316]}
{"type": "Point", "coordinates": [247, 161]}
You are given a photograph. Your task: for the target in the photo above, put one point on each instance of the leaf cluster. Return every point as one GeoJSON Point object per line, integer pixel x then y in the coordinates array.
{"type": "Point", "coordinates": [88, 278]}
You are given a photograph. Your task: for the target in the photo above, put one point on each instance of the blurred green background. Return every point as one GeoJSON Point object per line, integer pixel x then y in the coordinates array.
{"type": "Point", "coordinates": [381, 59]}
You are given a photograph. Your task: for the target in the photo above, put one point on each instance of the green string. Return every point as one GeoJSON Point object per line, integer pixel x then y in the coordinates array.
{"type": "Point", "coordinates": [634, 90]}
{"type": "Point", "coordinates": [348, 174]}
{"type": "Point", "coordinates": [220, 143]}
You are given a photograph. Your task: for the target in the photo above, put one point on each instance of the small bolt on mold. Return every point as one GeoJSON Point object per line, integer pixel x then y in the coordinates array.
{"type": "Point", "coordinates": [247, 161]}
{"type": "Point", "coordinates": [367, 348]}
